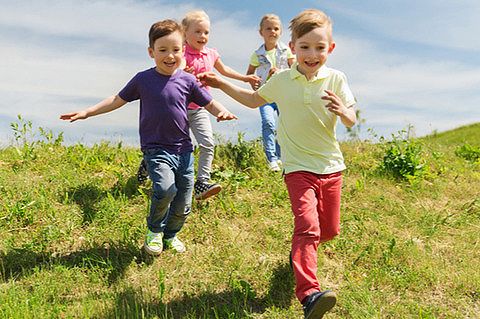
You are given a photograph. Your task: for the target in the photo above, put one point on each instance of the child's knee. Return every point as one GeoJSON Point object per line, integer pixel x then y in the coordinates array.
{"type": "Point", "coordinates": [163, 191]}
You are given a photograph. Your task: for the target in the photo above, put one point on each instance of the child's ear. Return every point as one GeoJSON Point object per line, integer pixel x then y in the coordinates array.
{"type": "Point", "coordinates": [292, 46]}
{"type": "Point", "coordinates": [150, 52]}
{"type": "Point", "coordinates": [331, 47]}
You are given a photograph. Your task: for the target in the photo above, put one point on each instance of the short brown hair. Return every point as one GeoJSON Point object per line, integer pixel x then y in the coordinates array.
{"type": "Point", "coordinates": [162, 28]}
{"type": "Point", "coordinates": [308, 20]}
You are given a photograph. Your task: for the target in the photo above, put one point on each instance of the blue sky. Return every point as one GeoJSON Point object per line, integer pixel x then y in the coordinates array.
{"type": "Point", "coordinates": [408, 62]}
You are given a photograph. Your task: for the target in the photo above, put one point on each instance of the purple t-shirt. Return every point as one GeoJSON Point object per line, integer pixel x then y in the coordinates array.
{"type": "Point", "coordinates": [163, 108]}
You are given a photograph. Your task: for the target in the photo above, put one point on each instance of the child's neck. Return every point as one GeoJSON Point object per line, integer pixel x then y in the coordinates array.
{"type": "Point", "coordinates": [270, 46]}
{"type": "Point", "coordinates": [157, 69]}
{"type": "Point", "coordinates": [308, 75]}
{"type": "Point", "coordinates": [191, 46]}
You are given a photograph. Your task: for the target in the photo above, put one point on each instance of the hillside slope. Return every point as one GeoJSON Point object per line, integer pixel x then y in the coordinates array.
{"type": "Point", "coordinates": [72, 220]}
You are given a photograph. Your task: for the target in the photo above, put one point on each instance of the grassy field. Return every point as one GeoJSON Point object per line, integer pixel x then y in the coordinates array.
{"type": "Point", "coordinates": [72, 221]}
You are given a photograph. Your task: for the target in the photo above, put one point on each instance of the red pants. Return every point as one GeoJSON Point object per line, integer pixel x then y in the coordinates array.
{"type": "Point", "coordinates": [315, 201]}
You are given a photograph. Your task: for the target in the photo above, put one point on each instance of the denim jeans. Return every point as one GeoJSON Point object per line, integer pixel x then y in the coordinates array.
{"type": "Point", "coordinates": [270, 145]}
{"type": "Point", "coordinates": [202, 131]}
{"type": "Point", "coordinates": [172, 187]}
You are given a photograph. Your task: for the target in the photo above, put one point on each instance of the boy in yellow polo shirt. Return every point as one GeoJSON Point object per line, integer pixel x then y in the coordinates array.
{"type": "Point", "coordinates": [310, 97]}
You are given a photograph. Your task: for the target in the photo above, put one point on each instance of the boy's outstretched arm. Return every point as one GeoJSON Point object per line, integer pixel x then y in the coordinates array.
{"type": "Point", "coordinates": [231, 73]}
{"type": "Point", "coordinates": [109, 104]}
{"type": "Point", "coordinates": [219, 111]}
{"type": "Point", "coordinates": [246, 97]}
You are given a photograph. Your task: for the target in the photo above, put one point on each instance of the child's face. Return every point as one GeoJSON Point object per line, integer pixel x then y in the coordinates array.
{"type": "Point", "coordinates": [167, 52]}
{"type": "Point", "coordinates": [271, 31]}
{"type": "Point", "coordinates": [312, 50]}
{"type": "Point", "coordinates": [197, 34]}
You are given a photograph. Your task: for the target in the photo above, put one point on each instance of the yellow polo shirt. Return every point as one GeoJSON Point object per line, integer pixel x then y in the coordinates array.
{"type": "Point", "coordinates": [306, 129]}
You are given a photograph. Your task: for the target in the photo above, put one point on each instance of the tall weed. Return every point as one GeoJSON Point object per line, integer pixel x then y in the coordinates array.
{"type": "Point", "coordinates": [243, 154]}
{"type": "Point", "coordinates": [26, 138]}
{"type": "Point", "coordinates": [468, 152]}
{"type": "Point", "coordinates": [403, 156]}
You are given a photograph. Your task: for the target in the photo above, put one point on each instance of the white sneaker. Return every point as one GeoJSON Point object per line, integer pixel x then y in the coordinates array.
{"type": "Point", "coordinates": [153, 244]}
{"type": "Point", "coordinates": [274, 166]}
{"type": "Point", "coordinates": [175, 244]}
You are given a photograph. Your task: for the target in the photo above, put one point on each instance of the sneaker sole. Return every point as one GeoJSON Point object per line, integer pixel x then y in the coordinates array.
{"type": "Point", "coordinates": [323, 304]}
{"type": "Point", "coordinates": [150, 251]}
{"type": "Point", "coordinates": [211, 192]}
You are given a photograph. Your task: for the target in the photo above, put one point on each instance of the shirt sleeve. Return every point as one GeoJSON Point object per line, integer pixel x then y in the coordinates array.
{"type": "Point", "coordinates": [199, 95]}
{"type": "Point", "coordinates": [215, 55]}
{"type": "Point", "coordinates": [130, 92]}
{"type": "Point", "coordinates": [342, 89]}
{"type": "Point", "coordinates": [254, 60]}
{"type": "Point", "coordinates": [268, 90]}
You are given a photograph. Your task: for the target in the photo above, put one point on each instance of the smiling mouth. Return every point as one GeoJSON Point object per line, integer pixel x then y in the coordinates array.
{"type": "Point", "coordinates": [169, 64]}
{"type": "Point", "coordinates": [311, 64]}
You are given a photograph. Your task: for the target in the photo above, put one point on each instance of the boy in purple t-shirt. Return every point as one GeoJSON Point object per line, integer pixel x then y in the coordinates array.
{"type": "Point", "coordinates": [164, 92]}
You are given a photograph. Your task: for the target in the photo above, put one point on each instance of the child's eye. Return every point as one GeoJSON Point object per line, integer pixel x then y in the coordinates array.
{"type": "Point", "coordinates": [304, 47]}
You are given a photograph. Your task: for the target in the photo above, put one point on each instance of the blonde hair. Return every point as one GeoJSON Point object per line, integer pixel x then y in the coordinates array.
{"type": "Point", "coordinates": [308, 20]}
{"type": "Point", "coordinates": [270, 17]}
{"type": "Point", "coordinates": [193, 16]}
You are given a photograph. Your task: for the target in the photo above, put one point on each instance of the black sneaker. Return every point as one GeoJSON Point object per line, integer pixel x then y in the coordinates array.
{"type": "Point", "coordinates": [204, 190]}
{"type": "Point", "coordinates": [142, 174]}
{"type": "Point", "coordinates": [318, 303]}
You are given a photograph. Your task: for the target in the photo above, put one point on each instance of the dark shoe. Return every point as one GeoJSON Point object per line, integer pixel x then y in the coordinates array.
{"type": "Point", "coordinates": [318, 303]}
{"type": "Point", "coordinates": [142, 174]}
{"type": "Point", "coordinates": [204, 190]}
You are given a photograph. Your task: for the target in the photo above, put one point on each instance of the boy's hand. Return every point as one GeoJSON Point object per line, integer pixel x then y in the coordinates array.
{"type": "Point", "coordinates": [254, 81]}
{"type": "Point", "coordinates": [210, 79]}
{"type": "Point", "coordinates": [72, 117]}
{"type": "Point", "coordinates": [335, 104]}
{"type": "Point", "coordinates": [226, 116]}
{"type": "Point", "coordinates": [271, 72]}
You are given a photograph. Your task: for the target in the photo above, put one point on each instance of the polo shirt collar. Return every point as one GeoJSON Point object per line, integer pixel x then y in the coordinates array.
{"type": "Point", "coordinates": [322, 73]}
{"type": "Point", "coordinates": [190, 50]}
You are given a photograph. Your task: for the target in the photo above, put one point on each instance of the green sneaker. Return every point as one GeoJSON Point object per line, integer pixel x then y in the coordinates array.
{"type": "Point", "coordinates": [153, 243]}
{"type": "Point", "coordinates": [175, 244]}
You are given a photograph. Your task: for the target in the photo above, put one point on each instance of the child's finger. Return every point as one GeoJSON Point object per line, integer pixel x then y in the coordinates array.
{"type": "Point", "coordinates": [331, 97]}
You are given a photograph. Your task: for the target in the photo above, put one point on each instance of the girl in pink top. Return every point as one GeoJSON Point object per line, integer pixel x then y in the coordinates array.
{"type": "Point", "coordinates": [199, 58]}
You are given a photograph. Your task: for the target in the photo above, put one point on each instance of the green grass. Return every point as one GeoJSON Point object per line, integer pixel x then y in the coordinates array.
{"type": "Point", "coordinates": [72, 220]}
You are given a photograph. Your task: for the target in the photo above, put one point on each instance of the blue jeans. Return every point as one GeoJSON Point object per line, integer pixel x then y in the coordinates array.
{"type": "Point", "coordinates": [270, 145]}
{"type": "Point", "coordinates": [172, 187]}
